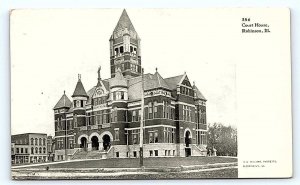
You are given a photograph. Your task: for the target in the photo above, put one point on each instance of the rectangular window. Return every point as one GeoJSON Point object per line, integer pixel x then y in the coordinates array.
{"type": "Point", "coordinates": [156, 152]}
{"type": "Point", "coordinates": [150, 114]}
{"type": "Point", "coordinates": [117, 134]}
{"type": "Point", "coordinates": [155, 109]}
{"type": "Point", "coordinates": [151, 153]}
{"type": "Point", "coordinates": [166, 152]}
{"type": "Point", "coordinates": [21, 150]}
{"type": "Point", "coordinates": [117, 154]}
{"type": "Point", "coordinates": [151, 140]}
{"type": "Point", "coordinates": [135, 136]}
{"type": "Point", "coordinates": [173, 136]}
{"type": "Point", "coordinates": [133, 115]}
{"type": "Point", "coordinates": [26, 150]}
{"type": "Point", "coordinates": [156, 136]}
{"type": "Point", "coordinates": [104, 118]}
{"type": "Point", "coordinates": [173, 152]}
{"type": "Point", "coordinates": [134, 154]}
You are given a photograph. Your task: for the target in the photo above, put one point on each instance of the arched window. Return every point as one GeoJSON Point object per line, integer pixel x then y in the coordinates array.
{"type": "Point", "coordinates": [44, 141]}
{"type": "Point", "coordinates": [44, 150]}
{"type": "Point", "coordinates": [32, 150]}
{"type": "Point", "coordinates": [36, 141]}
{"type": "Point", "coordinates": [36, 150]}
{"type": "Point", "coordinates": [116, 51]}
{"type": "Point", "coordinates": [32, 141]}
{"type": "Point", "coordinates": [40, 141]}
{"type": "Point", "coordinates": [40, 150]}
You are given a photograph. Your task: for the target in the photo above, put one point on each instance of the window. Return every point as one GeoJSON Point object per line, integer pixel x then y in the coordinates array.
{"type": "Point", "coordinates": [75, 120]}
{"type": "Point", "coordinates": [151, 140]}
{"type": "Point", "coordinates": [173, 152]}
{"type": "Point", "coordinates": [134, 154]}
{"type": "Point", "coordinates": [155, 109]}
{"type": "Point", "coordinates": [40, 141]}
{"type": "Point", "coordinates": [202, 138]}
{"type": "Point", "coordinates": [18, 150]}
{"type": "Point", "coordinates": [135, 136]}
{"type": "Point", "coordinates": [44, 141]}
{"type": "Point", "coordinates": [21, 150]}
{"type": "Point", "coordinates": [117, 134]}
{"type": "Point", "coordinates": [32, 150]}
{"type": "Point", "coordinates": [121, 49]}
{"type": "Point", "coordinates": [156, 152]}
{"type": "Point", "coordinates": [32, 141]}
{"type": "Point", "coordinates": [36, 141]}
{"type": "Point", "coordinates": [44, 150]}
{"type": "Point", "coordinates": [26, 150]}
{"type": "Point", "coordinates": [71, 144]}
{"type": "Point", "coordinates": [169, 135]}
{"type": "Point", "coordinates": [150, 114]}
{"type": "Point", "coordinates": [151, 152]}
{"type": "Point", "coordinates": [117, 154]}
{"type": "Point", "coordinates": [133, 115]}
{"type": "Point", "coordinates": [166, 152]}
{"type": "Point", "coordinates": [40, 150]}
{"type": "Point", "coordinates": [156, 137]}
{"type": "Point", "coordinates": [36, 150]}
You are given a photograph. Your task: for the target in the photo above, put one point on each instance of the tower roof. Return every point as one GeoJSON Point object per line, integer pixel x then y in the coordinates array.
{"type": "Point", "coordinates": [79, 89]}
{"type": "Point", "coordinates": [124, 22]}
{"type": "Point", "coordinates": [63, 102]}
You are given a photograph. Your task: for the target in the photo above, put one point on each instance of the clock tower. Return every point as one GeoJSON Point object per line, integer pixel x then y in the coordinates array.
{"type": "Point", "coordinates": [125, 48]}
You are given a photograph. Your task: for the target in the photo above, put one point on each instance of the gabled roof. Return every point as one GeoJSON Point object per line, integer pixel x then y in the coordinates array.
{"type": "Point", "coordinates": [198, 93]}
{"type": "Point", "coordinates": [173, 81]}
{"type": "Point", "coordinates": [124, 22]}
{"type": "Point", "coordinates": [63, 102]}
{"type": "Point", "coordinates": [154, 81]}
{"type": "Point", "coordinates": [79, 89]}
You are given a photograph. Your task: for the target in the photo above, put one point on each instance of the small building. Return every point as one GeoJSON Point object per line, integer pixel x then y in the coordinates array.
{"type": "Point", "coordinates": [29, 148]}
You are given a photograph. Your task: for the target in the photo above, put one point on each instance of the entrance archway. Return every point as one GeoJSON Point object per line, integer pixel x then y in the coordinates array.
{"type": "Point", "coordinates": [187, 138]}
{"type": "Point", "coordinates": [95, 143]}
{"type": "Point", "coordinates": [106, 142]}
{"type": "Point", "coordinates": [83, 143]}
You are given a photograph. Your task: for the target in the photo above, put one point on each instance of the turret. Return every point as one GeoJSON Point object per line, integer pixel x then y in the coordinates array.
{"type": "Point", "coordinates": [79, 101]}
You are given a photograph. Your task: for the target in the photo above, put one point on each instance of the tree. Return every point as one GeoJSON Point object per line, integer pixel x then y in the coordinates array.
{"type": "Point", "coordinates": [223, 139]}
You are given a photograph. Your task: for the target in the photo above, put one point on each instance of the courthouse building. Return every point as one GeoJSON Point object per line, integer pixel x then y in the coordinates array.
{"type": "Point", "coordinates": [104, 122]}
{"type": "Point", "coordinates": [29, 148]}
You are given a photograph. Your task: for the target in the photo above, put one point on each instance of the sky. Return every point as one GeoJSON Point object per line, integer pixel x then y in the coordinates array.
{"type": "Point", "coordinates": [49, 48]}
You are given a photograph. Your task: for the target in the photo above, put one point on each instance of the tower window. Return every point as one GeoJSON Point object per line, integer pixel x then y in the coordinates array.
{"type": "Point", "coordinates": [116, 51]}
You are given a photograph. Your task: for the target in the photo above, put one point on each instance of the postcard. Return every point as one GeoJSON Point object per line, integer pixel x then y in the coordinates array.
{"type": "Point", "coordinates": [150, 93]}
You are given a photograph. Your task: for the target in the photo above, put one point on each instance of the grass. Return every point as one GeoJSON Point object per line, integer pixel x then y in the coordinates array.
{"type": "Point", "coordinates": [134, 162]}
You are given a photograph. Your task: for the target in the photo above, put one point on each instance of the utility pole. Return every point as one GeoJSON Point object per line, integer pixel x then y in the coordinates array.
{"type": "Point", "coordinates": [142, 123]}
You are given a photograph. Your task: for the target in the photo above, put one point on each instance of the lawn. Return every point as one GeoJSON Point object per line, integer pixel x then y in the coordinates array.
{"type": "Point", "coordinates": [134, 162]}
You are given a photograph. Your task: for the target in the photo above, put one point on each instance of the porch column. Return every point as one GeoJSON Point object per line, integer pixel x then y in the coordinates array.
{"type": "Point", "coordinates": [100, 145]}
{"type": "Point", "coordinates": [89, 146]}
